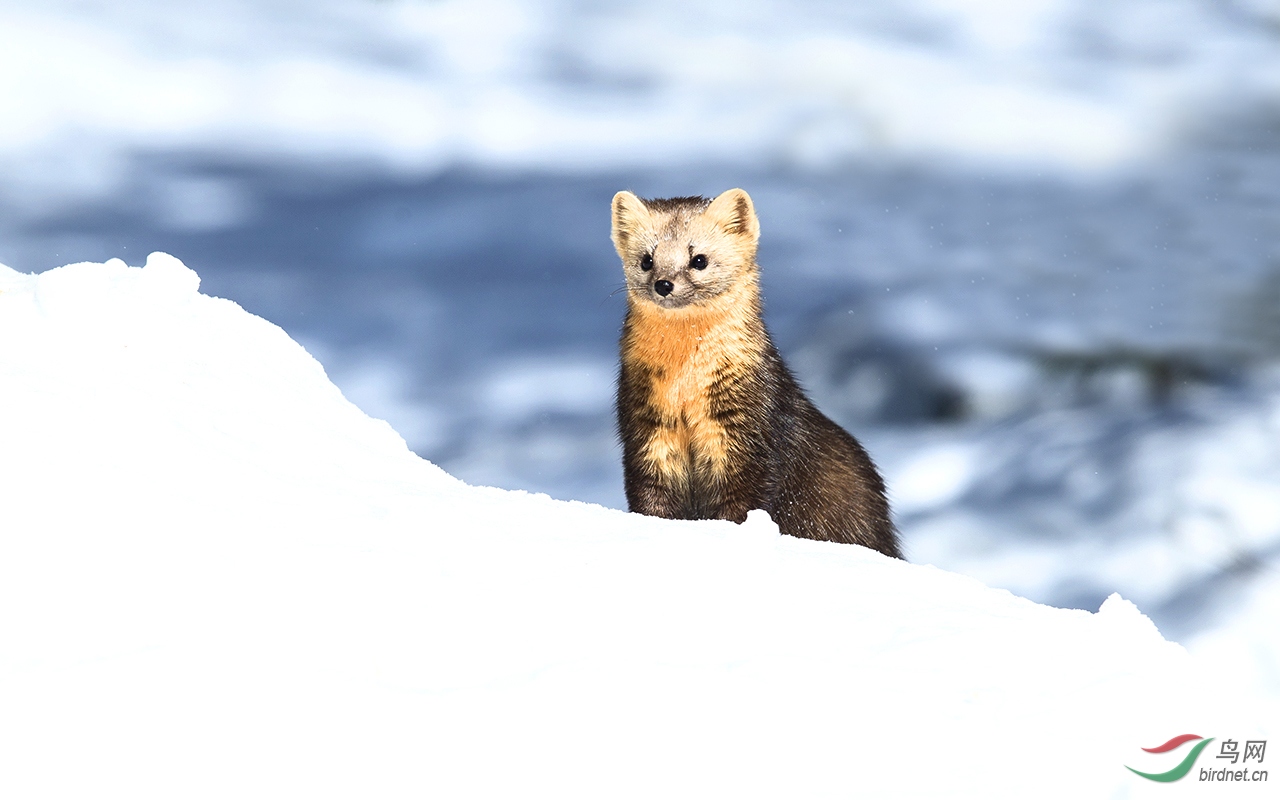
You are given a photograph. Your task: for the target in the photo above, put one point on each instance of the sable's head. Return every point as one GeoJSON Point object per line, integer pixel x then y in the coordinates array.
{"type": "Point", "coordinates": [685, 251]}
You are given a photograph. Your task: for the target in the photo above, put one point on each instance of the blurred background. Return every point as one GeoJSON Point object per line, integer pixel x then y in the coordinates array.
{"type": "Point", "coordinates": [1027, 250]}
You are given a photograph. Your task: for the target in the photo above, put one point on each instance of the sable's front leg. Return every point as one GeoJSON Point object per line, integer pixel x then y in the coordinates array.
{"type": "Point", "coordinates": [650, 488]}
{"type": "Point", "coordinates": [744, 453]}
{"type": "Point", "coordinates": [648, 493]}
{"type": "Point", "coordinates": [744, 489]}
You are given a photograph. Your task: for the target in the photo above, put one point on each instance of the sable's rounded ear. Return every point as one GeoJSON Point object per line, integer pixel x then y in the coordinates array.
{"type": "Point", "coordinates": [629, 212]}
{"type": "Point", "coordinates": [734, 214]}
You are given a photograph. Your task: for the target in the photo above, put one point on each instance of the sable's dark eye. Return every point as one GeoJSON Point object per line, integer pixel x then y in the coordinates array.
{"type": "Point", "coordinates": [698, 262]}
{"type": "Point", "coordinates": [646, 262]}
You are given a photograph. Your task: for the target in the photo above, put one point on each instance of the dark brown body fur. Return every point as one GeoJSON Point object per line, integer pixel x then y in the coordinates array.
{"type": "Point", "coordinates": [712, 422]}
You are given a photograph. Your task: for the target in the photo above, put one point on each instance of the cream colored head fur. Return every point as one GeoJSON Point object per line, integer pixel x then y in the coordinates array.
{"type": "Point", "coordinates": [687, 252]}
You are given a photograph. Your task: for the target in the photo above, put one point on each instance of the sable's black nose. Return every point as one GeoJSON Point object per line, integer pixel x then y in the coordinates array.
{"type": "Point", "coordinates": [663, 287]}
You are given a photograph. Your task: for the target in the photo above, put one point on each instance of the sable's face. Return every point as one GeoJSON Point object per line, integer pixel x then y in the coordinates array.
{"type": "Point", "coordinates": [685, 251]}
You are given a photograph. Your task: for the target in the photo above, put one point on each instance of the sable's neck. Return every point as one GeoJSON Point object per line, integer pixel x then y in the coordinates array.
{"type": "Point", "coordinates": [657, 335]}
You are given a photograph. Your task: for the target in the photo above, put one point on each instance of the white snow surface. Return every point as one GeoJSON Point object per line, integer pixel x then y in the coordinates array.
{"type": "Point", "coordinates": [219, 578]}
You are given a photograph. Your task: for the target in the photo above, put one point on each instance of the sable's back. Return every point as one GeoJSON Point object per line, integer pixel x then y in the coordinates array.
{"type": "Point", "coordinates": [827, 467]}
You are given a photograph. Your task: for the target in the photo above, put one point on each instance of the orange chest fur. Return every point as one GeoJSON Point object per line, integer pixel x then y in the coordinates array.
{"type": "Point", "coordinates": [684, 354]}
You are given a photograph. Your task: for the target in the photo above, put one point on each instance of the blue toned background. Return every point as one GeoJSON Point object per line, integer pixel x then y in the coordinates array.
{"type": "Point", "coordinates": [1027, 251]}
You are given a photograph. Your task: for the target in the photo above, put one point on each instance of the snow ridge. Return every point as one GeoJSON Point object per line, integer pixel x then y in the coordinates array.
{"type": "Point", "coordinates": [218, 577]}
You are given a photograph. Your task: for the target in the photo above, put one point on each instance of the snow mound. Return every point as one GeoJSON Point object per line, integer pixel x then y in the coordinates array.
{"type": "Point", "coordinates": [220, 578]}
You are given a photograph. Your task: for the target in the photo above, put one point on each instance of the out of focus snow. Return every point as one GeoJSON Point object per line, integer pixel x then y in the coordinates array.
{"type": "Point", "coordinates": [218, 577]}
{"type": "Point", "coordinates": [417, 85]}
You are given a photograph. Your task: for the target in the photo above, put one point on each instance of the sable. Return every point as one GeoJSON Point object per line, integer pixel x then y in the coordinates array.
{"type": "Point", "coordinates": [712, 422]}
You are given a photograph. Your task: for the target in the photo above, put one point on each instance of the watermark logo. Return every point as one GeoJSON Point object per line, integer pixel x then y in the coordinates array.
{"type": "Point", "coordinates": [1183, 767]}
{"type": "Point", "coordinates": [1254, 750]}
